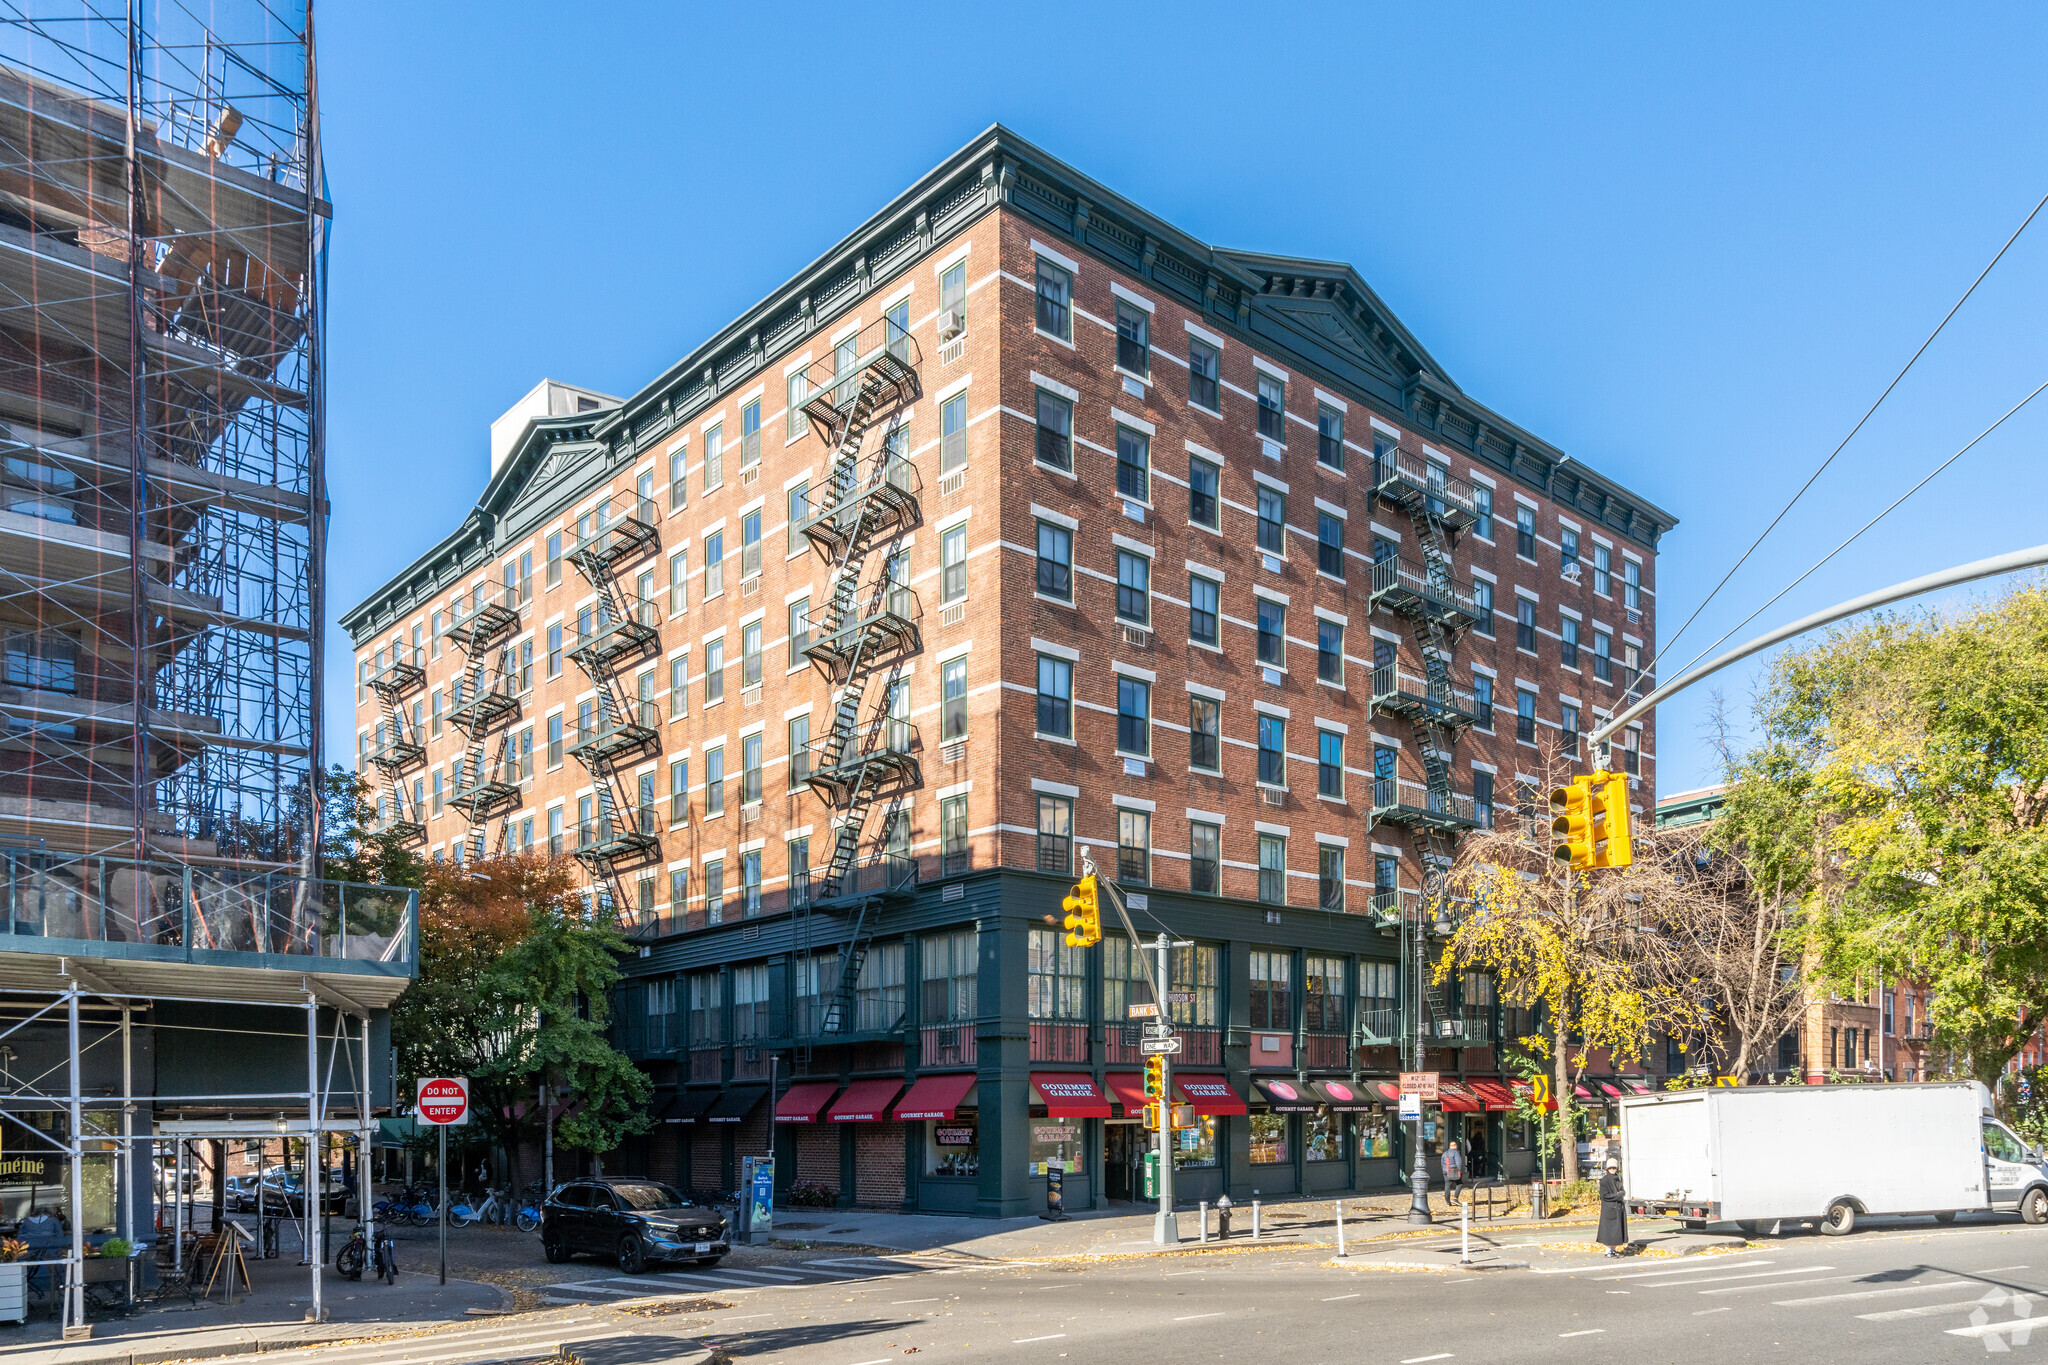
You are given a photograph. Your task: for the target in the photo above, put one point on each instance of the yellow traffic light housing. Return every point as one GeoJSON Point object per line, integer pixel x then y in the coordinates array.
{"type": "Point", "coordinates": [1571, 823]}
{"type": "Point", "coordinates": [1155, 1079]}
{"type": "Point", "coordinates": [1611, 798]}
{"type": "Point", "coordinates": [1152, 1117]}
{"type": "Point", "coordinates": [1084, 915]}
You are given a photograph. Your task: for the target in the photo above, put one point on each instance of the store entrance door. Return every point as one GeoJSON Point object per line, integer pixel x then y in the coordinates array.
{"type": "Point", "coordinates": [1123, 1159]}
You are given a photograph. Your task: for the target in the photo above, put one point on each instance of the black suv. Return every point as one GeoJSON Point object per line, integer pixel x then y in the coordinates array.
{"type": "Point", "coordinates": [639, 1221]}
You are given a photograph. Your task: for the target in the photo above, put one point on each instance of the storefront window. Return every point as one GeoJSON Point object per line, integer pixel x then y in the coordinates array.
{"type": "Point", "coordinates": [1195, 1146]}
{"type": "Point", "coordinates": [1375, 1137]}
{"type": "Point", "coordinates": [1269, 1139]}
{"type": "Point", "coordinates": [951, 1146]}
{"type": "Point", "coordinates": [1322, 1136]}
{"type": "Point", "coordinates": [1194, 969]}
{"type": "Point", "coordinates": [1055, 1140]}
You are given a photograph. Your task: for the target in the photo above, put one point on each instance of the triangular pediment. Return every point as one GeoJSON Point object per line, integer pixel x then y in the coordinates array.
{"type": "Point", "coordinates": [1326, 323]}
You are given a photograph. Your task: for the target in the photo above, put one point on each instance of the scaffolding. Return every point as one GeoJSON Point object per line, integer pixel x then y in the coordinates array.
{"type": "Point", "coordinates": [162, 502]}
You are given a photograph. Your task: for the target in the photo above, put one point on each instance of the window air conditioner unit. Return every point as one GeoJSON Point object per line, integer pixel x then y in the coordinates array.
{"type": "Point", "coordinates": [951, 324]}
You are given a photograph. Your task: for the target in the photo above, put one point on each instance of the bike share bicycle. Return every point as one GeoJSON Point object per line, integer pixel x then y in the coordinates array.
{"type": "Point", "coordinates": [351, 1259]}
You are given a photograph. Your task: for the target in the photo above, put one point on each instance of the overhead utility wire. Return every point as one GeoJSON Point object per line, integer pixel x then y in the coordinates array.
{"type": "Point", "coordinates": [1782, 512]}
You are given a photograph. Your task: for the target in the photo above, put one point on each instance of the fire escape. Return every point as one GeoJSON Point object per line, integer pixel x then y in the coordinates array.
{"type": "Point", "coordinates": [868, 631]}
{"type": "Point", "coordinates": [1440, 610]}
{"type": "Point", "coordinates": [398, 746]}
{"type": "Point", "coordinates": [612, 728]}
{"type": "Point", "coordinates": [485, 699]}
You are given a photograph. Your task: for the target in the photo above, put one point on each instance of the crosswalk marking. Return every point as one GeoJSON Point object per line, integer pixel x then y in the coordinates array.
{"type": "Point", "coordinates": [1746, 1275]}
{"type": "Point", "coordinates": [1774, 1284]}
{"type": "Point", "coordinates": [1925, 1310]}
{"type": "Point", "coordinates": [535, 1343]}
{"type": "Point", "coordinates": [1870, 1293]}
{"type": "Point", "coordinates": [2018, 1326]}
{"type": "Point", "coordinates": [439, 1339]}
{"type": "Point", "coordinates": [1682, 1270]}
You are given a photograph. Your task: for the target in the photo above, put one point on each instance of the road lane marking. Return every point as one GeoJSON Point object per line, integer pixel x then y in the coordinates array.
{"type": "Point", "coordinates": [883, 1361]}
{"type": "Point", "coordinates": [1704, 1311]}
{"type": "Point", "coordinates": [1994, 1328]}
{"type": "Point", "coordinates": [1334, 1297]}
{"type": "Point", "coordinates": [1192, 1316]}
{"type": "Point", "coordinates": [1418, 1360]}
{"type": "Point", "coordinates": [1676, 1270]}
{"type": "Point", "coordinates": [1747, 1275]}
{"type": "Point", "coordinates": [1924, 1310]}
{"type": "Point", "coordinates": [897, 1303]}
{"type": "Point", "coordinates": [1588, 1332]}
{"type": "Point", "coordinates": [1026, 1341]}
{"type": "Point", "coordinates": [1870, 1293]}
{"type": "Point", "coordinates": [1582, 1269]}
{"type": "Point", "coordinates": [1778, 1284]}
{"type": "Point", "coordinates": [1995, 1269]}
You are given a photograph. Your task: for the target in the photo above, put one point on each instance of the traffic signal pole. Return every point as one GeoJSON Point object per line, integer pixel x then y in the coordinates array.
{"type": "Point", "coordinates": [1165, 1227]}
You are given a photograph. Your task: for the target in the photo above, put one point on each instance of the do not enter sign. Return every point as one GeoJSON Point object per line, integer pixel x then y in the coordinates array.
{"type": "Point", "coordinates": [444, 1100]}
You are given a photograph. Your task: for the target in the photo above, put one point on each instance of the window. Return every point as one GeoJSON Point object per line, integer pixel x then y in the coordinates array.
{"type": "Point", "coordinates": [439, 794]}
{"type": "Point", "coordinates": [952, 835]}
{"type": "Point", "coordinates": [1272, 408]}
{"type": "Point", "coordinates": [714, 564]}
{"type": "Point", "coordinates": [440, 701]}
{"type": "Point", "coordinates": [1482, 499]}
{"type": "Point", "coordinates": [1055, 299]}
{"type": "Point", "coordinates": [1603, 655]}
{"type": "Point", "coordinates": [1525, 624]}
{"type": "Point", "coordinates": [797, 389]}
{"type": "Point", "coordinates": [1055, 697]}
{"type": "Point", "coordinates": [953, 434]}
{"type": "Point", "coordinates": [1055, 834]}
{"type": "Point", "coordinates": [1525, 531]}
{"type": "Point", "coordinates": [1204, 613]}
{"type": "Point", "coordinates": [1329, 651]}
{"type": "Point", "coordinates": [953, 564]}
{"type": "Point", "coordinates": [554, 575]}
{"type": "Point", "coordinates": [1272, 634]}
{"type": "Point", "coordinates": [1205, 850]}
{"type": "Point", "coordinates": [1330, 764]}
{"type": "Point", "coordinates": [1134, 717]}
{"type": "Point", "coordinates": [1525, 716]}
{"type": "Point", "coordinates": [679, 791]}
{"type": "Point", "coordinates": [1205, 733]}
{"type": "Point", "coordinates": [750, 654]}
{"type": "Point", "coordinates": [750, 545]}
{"type": "Point", "coordinates": [555, 829]}
{"type": "Point", "coordinates": [679, 685]}
{"type": "Point", "coordinates": [1570, 726]}
{"type": "Point", "coordinates": [1133, 464]}
{"type": "Point", "coordinates": [1056, 977]}
{"type": "Point", "coordinates": [1482, 607]}
{"type": "Point", "coordinates": [1202, 483]}
{"type": "Point", "coordinates": [953, 296]}
{"type": "Point", "coordinates": [714, 891]}
{"type": "Point", "coordinates": [1272, 1004]}
{"type": "Point", "coordinates": [714, 458]}
{"type": "Point", "coordinates": [797, 511]}
{"type": "Point", "coordinates": [1272, 520]}
{"type": "Point", "coordinates": [1631, 664]}
{"type": "Point", "coordinates": [1567, 551]}
{"type": "Point", "coordinates": [1482, 700]}
{"type": "Point", "coordinates": [1134, 587]}
{"type": "Point", "coordinates": [1329, 436]}
{"type": "Point", "coordinates": [1330, 884]}
{"type": "Point", "coordinates": [1632, 585]}
{"type": "Point", "coordinates": [1055, 561]}
{"type": "Point", "coordinates": [707, 1010]}
{"type": "Point", "coordinates": [1568, 642]}
{"type": "Point", "coordinates": [1386, 780]}
{"type": "Point", "coordinates": [1330, 544]}
{"type": "Point", "coordinates": [799, 857]}
{"type": "Point", "coordinates": [799, 752]}
{"type": "Point", "coordinates": [1133, 339]}
{"type": "Point", "coordinates": [1055, 431]}
{"type": "Point", "coordinates": [679, 582]}
{"type": "Point", "coordinates": [1203, 374]}
{"type": "Point", "coordinates": [799, 630]}
{"type": "Point", "coordinates": [750, 769]}
{"type": "Point", "coordinates": [1603, 581]}
{"type": "Point", "coordinates": [1273, 869]}
{"type": "Point", "coordinates": [1482, 798]}
{"type": "Point", "coordinates": [953, 699]}
{"type": "Point", "coordinates": [1272, 751]}
{"type": "Point", "coordinates": [47, 660]}
{"type": "Point", "coordinates": [714, 780]}
{"type": "Point", "coordinates": [1134, 847]}
{"type": "Point", "coordinates": [714, 670]}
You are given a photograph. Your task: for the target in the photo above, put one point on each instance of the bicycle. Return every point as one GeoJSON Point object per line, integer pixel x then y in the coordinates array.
{"type": "Point", "coordinates": [355, 1253]}
{"type": "Point", "coordinates": [528, 1215]}
{"type": "Point", "coordinates": [492, 1210]}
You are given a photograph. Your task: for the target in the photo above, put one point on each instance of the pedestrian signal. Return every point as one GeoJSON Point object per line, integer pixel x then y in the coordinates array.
{"type": "Point", "coordinates": [1084, 916]}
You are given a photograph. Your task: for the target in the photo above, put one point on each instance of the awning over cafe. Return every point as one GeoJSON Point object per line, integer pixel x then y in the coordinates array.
{"type": "Point", "coordinates": [801, 1102]}
{"type": "Point", "coordinates": [1493, 1094]}
{"type": "Point", "coordinates": [688, 1106]}
{"type": "Point", "coordinates": [1389, 1091]}
{"type": "Point", "coordinates": [865, 1102]}
{"type": "Point", "coordinates": [935, 1097]}
{"type": "Point", "coordinates": [1210, 1095]}
{"type": "Point", "coordinates": [1128, 1089]}
{"type": "Point", "coordinates": [1343, 1096]}
{"type": "Point", "coordinates": [1286, 1097]}
{"type": "Point", "coordinates": [1072, 1095]}
{"type": "Point", "coordinates": [736, 1103]}
{"type": "Point", "coordinates": [1456, 1099]}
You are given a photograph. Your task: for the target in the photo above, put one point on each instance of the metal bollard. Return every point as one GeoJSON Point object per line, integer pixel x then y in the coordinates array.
{"type": "Point", "coordinates": [1205, 1222]}
{"type": "Point", "coordinates": [1340, 1229]}
{"type": "Point", "coordinates": [1255, 1220]}
{"type": "Point", "coordinates": [1464, 1234]}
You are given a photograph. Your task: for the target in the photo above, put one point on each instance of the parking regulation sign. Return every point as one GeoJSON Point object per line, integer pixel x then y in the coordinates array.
{"type": "Point", "coordinates": [444, 1100]}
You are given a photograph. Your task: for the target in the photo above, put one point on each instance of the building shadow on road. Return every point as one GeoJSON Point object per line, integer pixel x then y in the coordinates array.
{"type": "Point", "coordinates": [769, 1341]}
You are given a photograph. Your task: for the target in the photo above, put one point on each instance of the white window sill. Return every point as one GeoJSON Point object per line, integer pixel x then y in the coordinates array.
{"type": "Point", "coordinates": [1055, 601]}
{"type": "Point", "coordinates": [1205, 411]}
{"type": "Point", "coordinates": [1055, 469]}
{"type": "Point", "coordinates": [1200, 644]}
{"type": "Point", "coordinates": [1056, 340]}
{"type": "Point", "coordinates": [1216, 531]}
{"type": "Point", "coordinates": [1052, 739]}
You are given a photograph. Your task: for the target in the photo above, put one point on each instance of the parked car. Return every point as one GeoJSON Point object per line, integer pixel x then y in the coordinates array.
{"type": "Point", "coordinates": [641, 1222]}
{"type": "Point", "coordinates": [286, 1186]}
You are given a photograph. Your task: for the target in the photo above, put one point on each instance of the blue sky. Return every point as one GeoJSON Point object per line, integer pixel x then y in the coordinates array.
{"type": "Point", "coordinates": [1687, 246]}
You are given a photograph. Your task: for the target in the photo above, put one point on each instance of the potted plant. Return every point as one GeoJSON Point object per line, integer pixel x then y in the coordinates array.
{"type": "Point", "coordinates": [106, 1264]}
{"type": "Point", "coordinates": [13, 1280]}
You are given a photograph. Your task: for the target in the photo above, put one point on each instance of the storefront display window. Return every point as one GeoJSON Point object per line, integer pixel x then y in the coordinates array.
{"type": "Point", "coordinates": [1322, 1136]}
{"type": "Point", "coordinates": [1056, 1140]}
{"type": "Point", "coordinates": [1195, 1146]}
{"type": "Point", "coordinates": [1269, 1139]}
{"type": "Point", "coordinates": [952, 1146]}
{"type": "Point", "coordinates": [1375, 1135]}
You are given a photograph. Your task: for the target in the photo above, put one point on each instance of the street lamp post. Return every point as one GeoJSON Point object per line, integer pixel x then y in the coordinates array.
{"type": "Point", "coordinates": [1418, 1170]}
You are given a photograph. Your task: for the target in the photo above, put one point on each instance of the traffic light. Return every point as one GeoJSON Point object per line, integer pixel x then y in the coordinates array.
{"type": "Point", "coordinates": [1612, 799]}
{"type": "Point", "coordinates": [1571, 811]}
{"type": "Point", "coordinates": [1155, 1079]}
{"type": "Point", "coordinates": [1084, 916]}
{"type": "Point", "coordinates": [1152, 1117]}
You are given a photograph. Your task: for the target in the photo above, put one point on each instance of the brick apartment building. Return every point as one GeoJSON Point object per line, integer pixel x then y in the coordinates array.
{"type": "Point", "coordinates": [1019, 522]}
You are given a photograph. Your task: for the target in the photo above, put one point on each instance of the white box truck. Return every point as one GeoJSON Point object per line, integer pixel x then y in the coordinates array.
{"type": "Point", "coordinates": [1829, 1154]}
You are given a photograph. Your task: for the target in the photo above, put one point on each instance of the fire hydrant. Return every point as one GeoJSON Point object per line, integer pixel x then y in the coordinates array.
{"type": "Point", "coordinates": [1223, 1218]}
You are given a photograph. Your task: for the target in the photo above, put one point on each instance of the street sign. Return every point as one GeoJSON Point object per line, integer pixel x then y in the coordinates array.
{"type": "Point", "coordinates": [1180, 997]}
{"type": "Point", "coordinates": [1539, 1089]}
{"type": "Point", "coordinates": [1158, 1047]}
{"type": "Point", "coordinates": [444, 1100]}
{"type": "Point", "coordinates": [1144, 1011]}
{"type": "Point", "coordinates": [1411, 1106]}
{"type": "Point", "coordinates": [1161, 1030]}
{"type": "Point", "coordinates": [1422, 1083]}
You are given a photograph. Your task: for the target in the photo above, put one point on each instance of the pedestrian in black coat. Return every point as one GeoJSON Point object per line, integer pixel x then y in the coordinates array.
{"type": "Point", "coordinates": [1613, 1233]}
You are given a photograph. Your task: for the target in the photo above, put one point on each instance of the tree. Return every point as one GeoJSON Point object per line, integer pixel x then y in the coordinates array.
{"type": "Point", "coordinates": [1922, 741]}
{"type": "Point", "coordinates": [1580, 949]}
{"type": "Point", "coordinates": [351, 850]}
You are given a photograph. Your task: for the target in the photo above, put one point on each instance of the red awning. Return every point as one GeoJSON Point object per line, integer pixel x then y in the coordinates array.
{"type": "Point", "coordinates": [1128, 1089]}
{"type": "Point", "coordinates": [1210, 1095]}
{"type": "Point", "coordinates": [1456, 1099]}
{"type": "Point", "coordinates": [935, 1097]}
{"type": "Point", "coordinates": [864, 1102]}
{"type": "Point", "coordinates": [802, 1101]}
{"type": "Point", "coordinates": [1608, 1089]}
{"type": "Point", "coordinates": [1071, 1095]}
{"type": "Point", "coordinates": [1342, 1095]}
{"type": "Point", "coordinates": [1493, 1094]}
{"type": "Point", "coordinates": [1522, 1088]}
{"type": "Point", "coordinates": [1582, 1092]}
{"type": "Point", "coordinates": [1388, 1091]}
{"type": "Point", "coordinates": [1635, 1087]}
